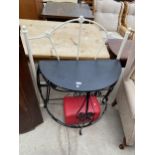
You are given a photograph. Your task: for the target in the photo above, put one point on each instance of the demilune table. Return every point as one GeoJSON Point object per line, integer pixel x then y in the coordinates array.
{"type": "Point", "coordinates": [87, 76]}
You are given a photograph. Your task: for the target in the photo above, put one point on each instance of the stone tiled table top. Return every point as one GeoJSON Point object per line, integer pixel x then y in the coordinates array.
{"type": "Point", "coordinates": [65, 40]}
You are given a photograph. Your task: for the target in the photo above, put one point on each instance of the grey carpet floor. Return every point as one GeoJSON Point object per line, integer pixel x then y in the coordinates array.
{"type": "Point", "coordinates": [50, 138]}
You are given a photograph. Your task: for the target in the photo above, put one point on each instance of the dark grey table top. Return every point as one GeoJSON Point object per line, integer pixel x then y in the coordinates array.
{"type": "Point", "coordinates": [82, 75]}
{"type": "Point", "coordinates": [66, 10]}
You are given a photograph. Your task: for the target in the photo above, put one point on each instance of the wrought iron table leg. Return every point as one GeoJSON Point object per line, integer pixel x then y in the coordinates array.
{"type": "Point", "coordinates": [87, 102]}
{"type": "Point", "coordinates": [47, 85]}
{"type": "Point", "coordinates": [47, 96]}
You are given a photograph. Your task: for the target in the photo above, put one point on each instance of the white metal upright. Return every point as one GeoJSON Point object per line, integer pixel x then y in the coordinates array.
{"type": "Point", "coordinates": [123, 44]}
{"type": "Point", "coordinates": [24, 31]}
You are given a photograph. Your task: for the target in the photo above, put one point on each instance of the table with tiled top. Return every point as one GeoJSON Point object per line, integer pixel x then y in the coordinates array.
{"type": "Point", "coordinates": [65, 40]}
